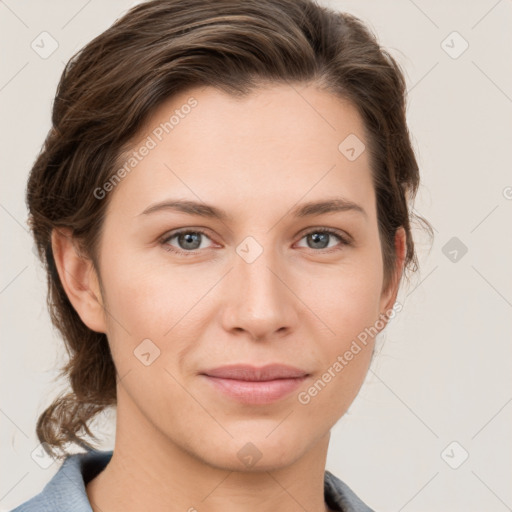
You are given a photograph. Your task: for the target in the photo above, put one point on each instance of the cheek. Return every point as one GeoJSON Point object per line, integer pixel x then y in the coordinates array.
{"type": "Point", "coordinates": [346, 300]}
{"type": "Point", "coordinates": [159, 303]}
{"type": "Point", "coordinates": [147, 297]}
{"type": "Point", "coordinates": [348, 306]}
{"type": "Point", "coordinates": [331, 393]}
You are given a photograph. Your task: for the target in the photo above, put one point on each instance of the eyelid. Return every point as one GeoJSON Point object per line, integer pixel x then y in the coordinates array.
{"type": "Point", "coordinates": [171, 234]}
{"type": "Point", "coordinates": [345, 240]}
{"type": "Point", "coordinates": [344, 237]}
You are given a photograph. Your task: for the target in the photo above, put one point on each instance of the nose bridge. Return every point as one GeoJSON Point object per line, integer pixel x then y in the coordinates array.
{"type": "Point", "coordinates": [260, 303]}
{"type": "Point", "coordinates": [255, 270]}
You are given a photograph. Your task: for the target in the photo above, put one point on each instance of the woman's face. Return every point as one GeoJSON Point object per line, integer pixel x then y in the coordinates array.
{"type": "Point", "coordinates": [260, 285]}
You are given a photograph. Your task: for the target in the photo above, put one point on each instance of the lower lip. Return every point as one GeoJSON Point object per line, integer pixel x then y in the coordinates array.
{"type": "Point", "coordinates": [256, 392]}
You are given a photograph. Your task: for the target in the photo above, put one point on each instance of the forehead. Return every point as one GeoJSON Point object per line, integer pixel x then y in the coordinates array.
{"type": "Point", "coordinates": [279, 143]}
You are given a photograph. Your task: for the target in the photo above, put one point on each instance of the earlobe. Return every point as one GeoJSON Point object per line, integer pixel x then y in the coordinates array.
{"type": "Point", "coordinates": [79, 279]}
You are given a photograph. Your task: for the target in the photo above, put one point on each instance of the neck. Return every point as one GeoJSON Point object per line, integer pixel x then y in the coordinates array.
{"type": "Point", "coordinates": [148, 471]}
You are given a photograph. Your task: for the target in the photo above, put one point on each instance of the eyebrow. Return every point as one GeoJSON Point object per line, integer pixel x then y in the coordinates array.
{"type": "Point", "coordinates": [309, 209]}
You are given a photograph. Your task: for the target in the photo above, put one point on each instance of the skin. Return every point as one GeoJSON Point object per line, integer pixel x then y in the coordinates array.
{"type": "Point", "coordinates": [298, 303]}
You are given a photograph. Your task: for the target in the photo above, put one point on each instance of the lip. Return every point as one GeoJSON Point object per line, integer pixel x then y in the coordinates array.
{"type": "Point", "coordinates": [256, 385]}
{"type": "Point", "coordinates": [249, 372]}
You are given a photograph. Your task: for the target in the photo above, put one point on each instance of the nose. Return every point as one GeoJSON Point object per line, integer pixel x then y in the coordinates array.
{"type": "Point", "coordinates": [259, 300]}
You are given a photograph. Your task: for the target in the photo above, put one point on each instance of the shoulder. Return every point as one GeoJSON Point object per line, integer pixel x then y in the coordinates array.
{"type": "Point", "coordinates": [66, 490]}
{"type": "Point", "coordinates": [339, 496]}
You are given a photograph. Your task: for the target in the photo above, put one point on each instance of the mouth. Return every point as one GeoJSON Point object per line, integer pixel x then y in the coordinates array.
{"type": "Point", "coordinates": [252, 385]}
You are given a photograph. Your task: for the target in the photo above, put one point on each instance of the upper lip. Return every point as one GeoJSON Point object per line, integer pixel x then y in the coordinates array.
{"type": "Point", "coordinates": [253, 373]}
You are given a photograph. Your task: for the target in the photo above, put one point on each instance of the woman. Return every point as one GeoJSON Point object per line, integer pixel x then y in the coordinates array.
{"type": "Point", "coordinates": [223, 208]}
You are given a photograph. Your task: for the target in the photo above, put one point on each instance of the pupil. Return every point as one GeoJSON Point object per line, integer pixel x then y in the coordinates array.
{"type": "Point", "coordinates": [320, 237]}
{"type": "Point", "coordinates": [189, 238]}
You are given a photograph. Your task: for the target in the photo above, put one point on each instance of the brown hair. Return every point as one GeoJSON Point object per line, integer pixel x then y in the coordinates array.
{"type": "Point", "coordinates": [162, 47]}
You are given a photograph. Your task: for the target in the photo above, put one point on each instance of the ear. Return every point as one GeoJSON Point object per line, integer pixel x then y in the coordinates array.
{"type": "Point", "coordinates": [388, 296]}
{"type": "Point", "coordinates": [79, 280]}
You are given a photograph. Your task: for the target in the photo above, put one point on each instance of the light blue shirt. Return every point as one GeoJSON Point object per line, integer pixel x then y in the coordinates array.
{"type": "Point", "coordinates": [65, 492]}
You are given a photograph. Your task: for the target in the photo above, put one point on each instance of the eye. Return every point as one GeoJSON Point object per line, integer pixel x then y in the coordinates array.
{"type": "Point", "coordinates": [188, 241]}
{"type": "Point", "coordinates": [319, 239]}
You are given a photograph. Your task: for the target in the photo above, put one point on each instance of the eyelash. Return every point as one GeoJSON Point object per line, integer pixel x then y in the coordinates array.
{"type": "Point", "coordinates": [343, 240]}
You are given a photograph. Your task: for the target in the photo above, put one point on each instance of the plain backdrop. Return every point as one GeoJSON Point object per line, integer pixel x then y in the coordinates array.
{"type": "Point", "coordinates": [430, 429]}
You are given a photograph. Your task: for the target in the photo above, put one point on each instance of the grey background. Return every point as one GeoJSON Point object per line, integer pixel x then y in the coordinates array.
{"type": "Point", "coordinates": [443, 373]}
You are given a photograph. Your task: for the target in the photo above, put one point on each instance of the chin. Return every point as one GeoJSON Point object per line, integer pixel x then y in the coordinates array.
{"type": "Point", "coordinates": [255, 450]}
